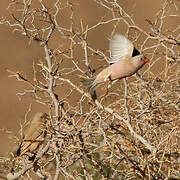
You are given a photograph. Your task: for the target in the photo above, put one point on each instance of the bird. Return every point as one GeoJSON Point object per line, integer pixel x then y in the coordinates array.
{"type": "Point", "coordinates": [125, 60]}
{"type": "Point", "coordinates": [34, 134]}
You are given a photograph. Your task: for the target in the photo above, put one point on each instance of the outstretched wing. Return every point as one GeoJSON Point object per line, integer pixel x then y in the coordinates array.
{"type": "Point", "coordinates": [120, 48]}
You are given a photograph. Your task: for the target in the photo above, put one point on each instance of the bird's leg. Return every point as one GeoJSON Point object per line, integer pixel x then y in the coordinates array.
{"type": "Point", "coordinates": [108, 83]}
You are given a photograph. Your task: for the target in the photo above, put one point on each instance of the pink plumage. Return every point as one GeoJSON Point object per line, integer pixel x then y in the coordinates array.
{"type": "Point", "coordinates": [121, 60]}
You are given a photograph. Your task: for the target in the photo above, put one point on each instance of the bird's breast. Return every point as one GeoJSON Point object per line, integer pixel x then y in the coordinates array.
{"type": "Point", "coordinates": [118, 70]}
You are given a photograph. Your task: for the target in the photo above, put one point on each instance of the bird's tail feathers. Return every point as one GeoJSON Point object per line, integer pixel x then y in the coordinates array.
{"type": "Point", "coordinates": [92, 88]}
{"type": "Point", "coordinates": [87, 82]}
{"type": "Point", "coordinates": [90, 84]}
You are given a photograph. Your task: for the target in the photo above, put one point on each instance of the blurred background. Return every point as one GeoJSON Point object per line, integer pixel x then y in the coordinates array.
{"type": "Point", "coordinates": [17, 54]}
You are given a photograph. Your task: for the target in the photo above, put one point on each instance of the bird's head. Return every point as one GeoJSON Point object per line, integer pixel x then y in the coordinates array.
{"type": "Point", "coordinates": [39, 117]}
{"type": "Point", "coordinates": [140, 60]}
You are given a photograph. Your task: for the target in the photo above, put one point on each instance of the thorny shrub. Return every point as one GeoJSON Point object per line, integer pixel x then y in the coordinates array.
{"type": "Point", "coordinates": [130, 133]}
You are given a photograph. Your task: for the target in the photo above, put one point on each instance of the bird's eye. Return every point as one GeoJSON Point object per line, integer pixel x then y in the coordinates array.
{"type": "Point", "coordinates": [142, 58]}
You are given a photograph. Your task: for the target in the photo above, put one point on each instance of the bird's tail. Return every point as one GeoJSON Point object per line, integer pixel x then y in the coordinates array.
{"type": "Point", "coordinates": [90, 84]}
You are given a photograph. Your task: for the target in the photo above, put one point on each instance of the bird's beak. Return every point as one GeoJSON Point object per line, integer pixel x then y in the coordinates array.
{"type": "Point", "coordinates": [146, 60]}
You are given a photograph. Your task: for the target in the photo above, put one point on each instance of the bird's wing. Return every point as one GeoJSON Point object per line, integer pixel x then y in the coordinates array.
{"type": "Point", "coordinates": [32, 143]}
{"type": "Point", "coordinates": [120, 48]}
{"type": "Point", "coordinates": [33, 136]}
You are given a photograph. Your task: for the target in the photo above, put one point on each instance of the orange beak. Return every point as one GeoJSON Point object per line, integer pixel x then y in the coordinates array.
{"type": "Point", "coordinates": [146, 60]}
